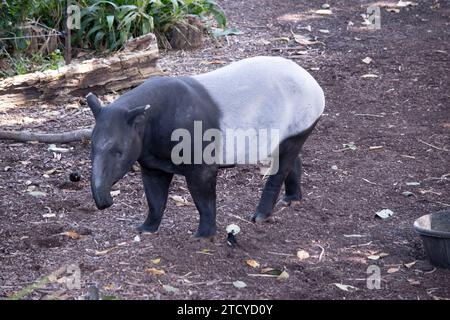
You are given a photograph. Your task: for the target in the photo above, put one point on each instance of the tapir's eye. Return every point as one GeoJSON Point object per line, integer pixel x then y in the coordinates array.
{"type": "Point", "coordinates": [118, 153]}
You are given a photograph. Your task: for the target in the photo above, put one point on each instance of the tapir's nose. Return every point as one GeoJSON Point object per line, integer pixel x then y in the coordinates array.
{"type": "Point", "coordinates": [103, 205]}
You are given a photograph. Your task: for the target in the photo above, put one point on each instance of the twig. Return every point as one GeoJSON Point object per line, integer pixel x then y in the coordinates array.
{"type": "Point", "coordinates": [261, 275]}
{"type": "Point", "coordinates": [281, 254]}
{"type": "Point", "coordinates": [375, 184]}
{"type": "Point", "coordinates": [369, 115]}
{"type": "Point", "coordinates": [322, 253]}
{"type": "Point", "coordinates": [432, 146]}
{"type": "Point", "coordinates": [237, 217]}
{"type": "Point", "coordinates": [361, 245]}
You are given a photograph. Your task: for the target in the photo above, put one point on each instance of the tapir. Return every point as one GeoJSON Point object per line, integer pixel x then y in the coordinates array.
{"type": "Point", "coordinates": [259, 93]}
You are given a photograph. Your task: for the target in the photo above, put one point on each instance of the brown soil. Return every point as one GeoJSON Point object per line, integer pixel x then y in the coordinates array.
{"type": "Point", "coordinates": [405, 112]}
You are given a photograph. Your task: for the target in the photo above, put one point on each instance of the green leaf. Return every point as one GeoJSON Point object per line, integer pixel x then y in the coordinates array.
{"type": "Point", "coordinates": [217, 33]}
{"type": "Point", "coordinates": [110, 20]}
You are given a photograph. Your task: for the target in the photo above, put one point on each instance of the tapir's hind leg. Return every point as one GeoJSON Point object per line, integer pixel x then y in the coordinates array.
{"type": "Point", "coordinates": [288, 172]}
{"type": "Point", "coordinates": [156, 186]}
{"type": "Point", "coordinates": [293, 192]}
{"type": "Point", "coordinates": [201, 183]}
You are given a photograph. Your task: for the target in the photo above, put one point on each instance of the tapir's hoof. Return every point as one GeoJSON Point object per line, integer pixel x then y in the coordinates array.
{"type": "Point", "coordinates": [205, 235]}
{"type": "Point", "coordinates": [143, 228]}
{"type": "Point", "coordinates": [259, 217]}
{"type": "Point", "coordinates": [289, 203]}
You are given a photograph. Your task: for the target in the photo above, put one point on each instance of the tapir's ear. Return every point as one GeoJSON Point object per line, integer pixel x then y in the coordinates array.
{"type": "Point", "coordinates": [139, 115]}
{"type": "Point", "coordinates": [94, 104]}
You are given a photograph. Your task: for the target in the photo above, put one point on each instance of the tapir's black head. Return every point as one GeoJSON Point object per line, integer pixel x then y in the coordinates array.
{"type": "Point", "coordinates": [116, 145]}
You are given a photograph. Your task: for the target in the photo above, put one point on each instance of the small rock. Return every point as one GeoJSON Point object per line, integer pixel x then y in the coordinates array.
{"type": "Point", "coordinates": [325, 6]}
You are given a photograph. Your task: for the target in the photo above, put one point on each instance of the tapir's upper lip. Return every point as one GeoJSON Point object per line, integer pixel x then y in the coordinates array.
{"type": "Point", "coordinates": [103, 206]}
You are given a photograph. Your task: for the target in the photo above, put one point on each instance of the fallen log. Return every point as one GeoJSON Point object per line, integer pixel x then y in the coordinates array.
{"type": "Point", "coordinates": [64, 137]}
{"type": "Point", "coordinates": [122, 70]}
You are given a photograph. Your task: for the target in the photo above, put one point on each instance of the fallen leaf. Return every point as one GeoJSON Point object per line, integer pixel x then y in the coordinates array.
{"type": "Point", "coordinates": [407, 193]}
{"type": "Point", "coordinates": [253, 263]}
{"type": "Point", "coordinates": [115, 193]}
{"type": "Point", "coordinates": [157, 272]}
{"type": "Point", "coordinates": [239, 284]}
{"type": "Point", "coordinates": [324, 31]}
{"type": "Point", "coordinates": [51, 171]}
{"type": "Point", "coordinates": [413, 184]}
{"type": "Point", "coordinates": [350, 145]}
{"type": "Point", "coordinates": [180, 201]}
{"type": "Point", "coordinates": [156, 261]}
{"type": "Point", "coordinates": [410, 264]}
{"type": "Point", "coordinates": [305, 41]}
{"type": "Point", "coordinates": [302, 254]}
{"type": "Point", "coordinates": [384, 214]}
{"type": "Point", "coordinates": [345, 287]}
{"type": "Point", "coordinates": [373, 257]}
{"type": "Point", "coordinates": [283, 276]}
{"type": "Point", "coordinates": [71, 234]}
{"type": "Point", "coordinates": [272, 271]}
{"type": "Point", "coordinates": [367, 60]}
{"type": "Point", "coordinates": [170, 289]}
{"type": "Point", "coordinates": [369, 75]}
{"type": "Point", "coordinates": [54, 148]}
{"type": "Point", "coordinates": [103, 252]}
{"type": "Point", "coordinates": [393, 270]}
{"type": "Point", "coordinates": [324, 11]}
{"type": "Point", "coordinates": [37, 194]}
{"type": "Point", "coordinates": [414, 282]}
{"type": "Point", "coordinates": [49, 215]}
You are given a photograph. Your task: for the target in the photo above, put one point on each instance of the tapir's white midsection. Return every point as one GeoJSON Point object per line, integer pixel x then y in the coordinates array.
{"type": "Point", "coordinates": [264, 93]}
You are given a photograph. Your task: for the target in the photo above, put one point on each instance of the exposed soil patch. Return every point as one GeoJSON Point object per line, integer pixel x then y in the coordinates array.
{"type": "Point", "coordinates": [403, 113]}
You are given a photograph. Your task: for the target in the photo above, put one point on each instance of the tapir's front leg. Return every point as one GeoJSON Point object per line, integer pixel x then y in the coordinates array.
{"type": "Point", "coordinates": [156, 186]}
{"type": "Point", "coordinates": [201, 182]}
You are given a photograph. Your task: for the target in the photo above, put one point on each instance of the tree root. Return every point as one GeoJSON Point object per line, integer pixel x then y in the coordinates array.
{"type": "Point", "coordinates": [64, 137]}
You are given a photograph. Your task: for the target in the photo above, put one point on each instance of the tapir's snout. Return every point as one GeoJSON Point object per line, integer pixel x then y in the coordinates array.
{"type": "Point", "coordinates": [101, 205]}
{"type": "Point", "coordinates": [101, 194]}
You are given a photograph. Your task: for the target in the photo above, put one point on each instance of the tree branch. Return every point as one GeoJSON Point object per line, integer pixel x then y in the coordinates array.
{"type": "Point", "coordinates": [63, 137]}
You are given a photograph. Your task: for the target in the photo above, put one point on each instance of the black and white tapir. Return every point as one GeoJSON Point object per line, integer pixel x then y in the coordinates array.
{"type": "Point", "coordinates": [253, 95]}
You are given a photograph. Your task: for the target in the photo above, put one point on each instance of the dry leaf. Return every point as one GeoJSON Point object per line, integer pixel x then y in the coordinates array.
{"type": "Point", "coordinates": [414, 282]}
{"type": "Point", "coordinates": [156, 261]}
{"type": "Point", "coordinates": [115, 193]}
{"type": "Point", "coordinates": [367, 60]}
{"type": "Point", "coordinates": [410, 264]}
{"type": "Point", "coordinates": [71, 234]}
{"type": "Point", "coordinates": [303, 40]}
{"type": "Point", "coordinates": [180, 201]}
{"type": "Point", "coordinates": [345, 287]}
{"type": "Point", "coordinates": [170, 289]}
{"type": "Point", "coordinates": [324, 11]}
{"type": "Point", "coordinates": [157, 272]}
{"type": "Point", "coordinates": [373, 257]}
{"type": "Point", "coordinates": [302, 254]}
{"type": "Point", "coordinates": [283, 276]}
{"type": "Point", "coordinates": [369, 75]}
{"type": "Point", "coordinates": [393, 270]}
{"type": "Point", "coordinates": [239, 284]}
{"type": "Point", "coordinates": [103, 252]}
{"type": "Point", "coordinates": [253, 263]}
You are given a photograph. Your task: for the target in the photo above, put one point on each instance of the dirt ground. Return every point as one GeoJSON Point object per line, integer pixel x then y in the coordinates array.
{"type": "Point", "coordinates": [396, 129]}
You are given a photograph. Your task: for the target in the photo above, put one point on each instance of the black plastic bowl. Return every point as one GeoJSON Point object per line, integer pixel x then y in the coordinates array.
{"type": "Point", "coordinates": [434, 230]}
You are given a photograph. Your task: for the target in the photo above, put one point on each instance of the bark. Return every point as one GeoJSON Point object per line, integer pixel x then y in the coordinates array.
{"type": "Point", "coordinates": [120, 71]}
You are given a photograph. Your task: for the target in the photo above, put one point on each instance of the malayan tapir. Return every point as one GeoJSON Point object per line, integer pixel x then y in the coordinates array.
{"type": "Point", "coordinates": [260, 94]}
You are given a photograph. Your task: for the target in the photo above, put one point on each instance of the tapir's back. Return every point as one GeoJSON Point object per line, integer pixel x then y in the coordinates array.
{"type": "Point", "coordinates": [265, 93]}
